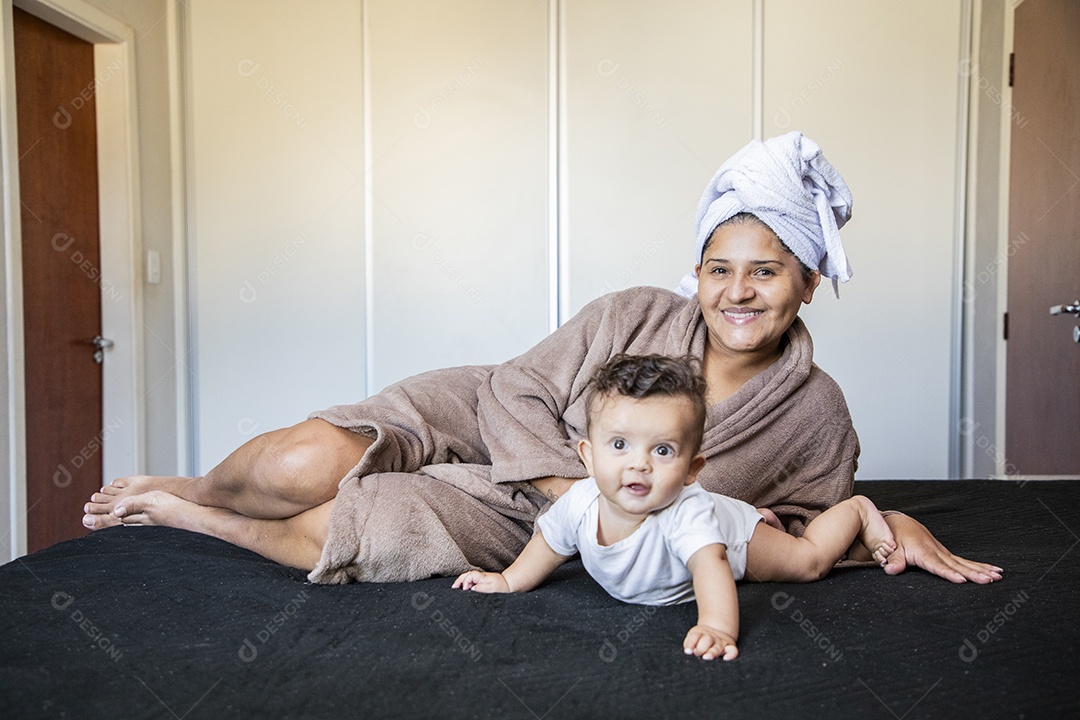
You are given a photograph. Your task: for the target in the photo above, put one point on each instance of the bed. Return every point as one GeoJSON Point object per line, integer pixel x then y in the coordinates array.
{"type": "Point", "coordinates": [162, 623]}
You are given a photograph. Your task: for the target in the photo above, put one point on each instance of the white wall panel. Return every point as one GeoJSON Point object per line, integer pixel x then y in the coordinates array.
{"type": "Point", "coordinates": [876, 84]}
{"type": "Point", "coordinates": [420, 135]}
{"type": "Point", "coordinates": [657, 96]}
{"type": "Point", "coordinates": [458, 174]}
{"type": "Point", "coordinates": [276, 183]}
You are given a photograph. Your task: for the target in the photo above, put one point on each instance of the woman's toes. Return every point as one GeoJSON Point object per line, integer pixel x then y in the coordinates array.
{"type": "Point", "coordinates": [141, 509]}
{"type": "Point", "coordinates": [97, 521]}
{"type": "Point", "coordinates": [93, 508]}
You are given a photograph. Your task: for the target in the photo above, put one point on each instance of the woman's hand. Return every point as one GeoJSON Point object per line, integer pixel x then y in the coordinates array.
{"type": "Point", "coordinates": [915, 545]}
{"type": "Point", "coordinates": [709, 643]}
{"type": "Point", "coordinates": [482, 582]}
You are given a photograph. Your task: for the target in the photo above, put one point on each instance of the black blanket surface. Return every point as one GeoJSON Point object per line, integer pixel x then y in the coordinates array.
{"type": "Point", "coordinates": [162, 623]}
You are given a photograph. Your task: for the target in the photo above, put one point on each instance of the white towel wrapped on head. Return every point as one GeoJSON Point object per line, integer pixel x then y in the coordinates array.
{"type": "Point", "coordinates": [788, 184]}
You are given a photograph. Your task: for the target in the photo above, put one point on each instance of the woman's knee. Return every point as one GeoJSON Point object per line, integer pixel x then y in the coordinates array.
{"type": "Point", "coordinates": [313, 451]}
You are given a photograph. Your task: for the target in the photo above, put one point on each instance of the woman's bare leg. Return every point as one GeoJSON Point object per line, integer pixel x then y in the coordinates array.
{"type": "Point", "coordinates": [296, 541]}
{"type": "Point", "coordinates": [275, 475]}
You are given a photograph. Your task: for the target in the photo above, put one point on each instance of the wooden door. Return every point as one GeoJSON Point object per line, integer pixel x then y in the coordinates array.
{"type": "Point", "coordinates": [1042, 397]}
{"type": "Point", "coordinates": [54, 76]}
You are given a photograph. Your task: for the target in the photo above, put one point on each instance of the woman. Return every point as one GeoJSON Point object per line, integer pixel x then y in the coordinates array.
{"type": "Point", "coordinates": [446, 471]}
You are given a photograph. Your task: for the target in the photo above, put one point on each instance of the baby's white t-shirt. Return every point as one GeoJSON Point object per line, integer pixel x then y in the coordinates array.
{"type": "Point", "coordinates": [649, 566]}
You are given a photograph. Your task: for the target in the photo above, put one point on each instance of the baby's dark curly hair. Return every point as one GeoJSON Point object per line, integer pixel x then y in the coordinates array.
{"type": "Point", "coordinates": [640, 376]}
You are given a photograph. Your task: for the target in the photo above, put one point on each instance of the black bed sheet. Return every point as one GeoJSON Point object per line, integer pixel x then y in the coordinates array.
{"type": "Point", "coordinates": [162, 623]}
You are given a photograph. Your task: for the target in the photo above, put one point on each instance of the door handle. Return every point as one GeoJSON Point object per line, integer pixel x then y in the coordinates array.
{"type": "Point", "coordinates": [101, 344]}
{"type": "Point", "coordinates": [1073, 309]}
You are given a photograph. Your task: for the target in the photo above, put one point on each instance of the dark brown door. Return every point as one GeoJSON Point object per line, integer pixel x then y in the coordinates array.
{"type": "Point", "coordinates": [54, 75]}
{"type": "Point", "coordinates": [1042, 398]}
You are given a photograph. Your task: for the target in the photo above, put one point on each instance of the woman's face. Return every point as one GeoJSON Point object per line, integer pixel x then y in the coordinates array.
{"type": "Point", "coordinates": [750, 289]}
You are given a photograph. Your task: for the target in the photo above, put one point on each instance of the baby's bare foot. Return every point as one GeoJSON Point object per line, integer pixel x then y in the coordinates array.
{"type": "Point", "coordinates": [99, 512]}
{"type": "Point", "coordinates": [875, 533]}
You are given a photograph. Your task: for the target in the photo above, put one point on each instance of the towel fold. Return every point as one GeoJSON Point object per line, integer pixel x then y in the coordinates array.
{"type": "Point", "coordinates": [421, 500]}
{"type": "Point", "coordinates": [788, 184]}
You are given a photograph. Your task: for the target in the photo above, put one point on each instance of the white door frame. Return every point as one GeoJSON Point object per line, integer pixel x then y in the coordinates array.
{"type": "Point", "coordinates": [1000, 469]}
{"type": "Point", "coordinates": [121, 440]}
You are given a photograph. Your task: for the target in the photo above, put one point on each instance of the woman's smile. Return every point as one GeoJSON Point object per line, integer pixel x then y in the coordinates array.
{"type": "Point", "coordinates": [750, 289]}
{"type": "Point", "coordinates": [741, 316]}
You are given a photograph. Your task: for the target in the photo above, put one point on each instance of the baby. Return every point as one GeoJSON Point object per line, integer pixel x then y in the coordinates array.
{"type": "Point", "coordinates": [648, 534]}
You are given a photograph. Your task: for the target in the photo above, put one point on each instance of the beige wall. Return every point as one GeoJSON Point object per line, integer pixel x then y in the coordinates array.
{"type": "Point", "coordinates": [509, 162]}
{"type": "Point", "coordinates": [878, 88]}
{"type": "Point", "coordinates": [458, 183]}
{"type": "Point", "coordinates": [656, 95]}
{"type": "Point", "coordinates": [276, 181]}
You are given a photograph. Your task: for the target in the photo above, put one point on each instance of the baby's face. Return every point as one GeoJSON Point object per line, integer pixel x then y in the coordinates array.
{"type": "Point", "coordinates": [639, 451]}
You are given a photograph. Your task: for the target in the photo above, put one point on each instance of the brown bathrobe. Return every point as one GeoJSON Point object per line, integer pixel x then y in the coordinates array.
{"type": "Point", "coordinates": [444, 488]}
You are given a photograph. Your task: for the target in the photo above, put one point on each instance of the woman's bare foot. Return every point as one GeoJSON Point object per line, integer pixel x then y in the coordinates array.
{"type": "Point", "coordinates": [875, 534]}
{"type": "Point", "coordinates": [155, 507]}
{"type": "Point", "coordinates": [100, 510]}
{"type": "Point", "coordinates": [295, 541]}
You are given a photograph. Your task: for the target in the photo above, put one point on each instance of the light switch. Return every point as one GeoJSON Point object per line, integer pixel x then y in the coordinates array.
{"type": "Point", "coordinates": [153, 267]}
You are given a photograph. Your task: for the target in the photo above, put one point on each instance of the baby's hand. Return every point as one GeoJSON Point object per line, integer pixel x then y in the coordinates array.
{"type": "Point", "coordinates": [709, 643]}
{"type": "Point", "coordinates": [483, 582]}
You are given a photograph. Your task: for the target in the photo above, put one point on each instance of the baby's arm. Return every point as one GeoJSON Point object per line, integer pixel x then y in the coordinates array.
{"type": "Point", "coordinates": [532, 566]}
{"type": "Point", "coordinates": [717, 628]}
